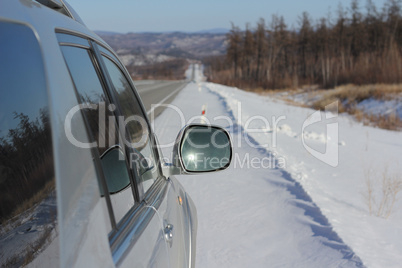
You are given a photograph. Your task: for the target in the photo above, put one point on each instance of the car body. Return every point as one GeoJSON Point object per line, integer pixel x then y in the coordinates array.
{"type": "Point", "coordinates": [82, 181]}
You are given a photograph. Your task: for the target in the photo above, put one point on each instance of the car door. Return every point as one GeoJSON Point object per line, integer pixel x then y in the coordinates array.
{"type": "Point", "coordinates": [155, 190]}
{"type": "Point", "coordinates": [172, 214]}
{"type": "Point", "coordinates": [129, 176]}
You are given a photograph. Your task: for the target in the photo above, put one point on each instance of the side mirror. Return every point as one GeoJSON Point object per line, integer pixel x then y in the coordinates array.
{"type": "Point", "coordinates": [115, 170]}
{"type": "Point", "coordinates": [201, 148]}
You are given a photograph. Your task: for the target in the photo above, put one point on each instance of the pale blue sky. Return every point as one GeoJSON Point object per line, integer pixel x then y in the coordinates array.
{"type": "Point", "coordinates": [187, 15]}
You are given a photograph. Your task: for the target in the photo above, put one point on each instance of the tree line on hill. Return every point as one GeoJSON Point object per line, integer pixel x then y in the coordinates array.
{"type": "Point", "coordinates": [355, 47]}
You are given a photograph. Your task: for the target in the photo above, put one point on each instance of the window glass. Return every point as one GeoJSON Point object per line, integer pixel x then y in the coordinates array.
{"type": "Point", "coordinates": [107, 52]}
{"type": "Point", "coordinates": [71, 39]}
{"type": "Point", "coordinates": [101, 122]}
{"type": "Point", "coordinates": [28, 207]}
{"type": "Point", "coordinates": [138, 134]}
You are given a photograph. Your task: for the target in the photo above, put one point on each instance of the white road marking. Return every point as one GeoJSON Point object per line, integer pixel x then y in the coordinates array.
{"type": "Point", "coordinates": [162, 101]}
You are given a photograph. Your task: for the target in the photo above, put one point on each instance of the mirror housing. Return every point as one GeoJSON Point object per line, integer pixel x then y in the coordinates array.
{"type": "Point", "coordinates": [199, 149]}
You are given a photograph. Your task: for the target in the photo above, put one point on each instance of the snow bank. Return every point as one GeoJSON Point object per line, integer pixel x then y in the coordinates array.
{"type": "Point", "coordinates": [339, 191]}
{"type": "Point", "coordinates": [371, 106]}
{"type": "Point", "coordinates": [382, 107]}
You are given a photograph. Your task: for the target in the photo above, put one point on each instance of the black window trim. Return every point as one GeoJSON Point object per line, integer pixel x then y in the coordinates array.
{"type": "Point", "coordinates": [95, 42]}
{"type": "Point", "coordinates": [105, 52]}
{"type": "Point", "coordinates": [74, 45]}
{"type": "Point", "coordinates": [95, 152]}
{"type": "Point", "coordinates": [109, 87]}
{"type": "Point", "coordinates": [155, 194]}
{"type": "Point", "coordinates": [152, 140]}
{"type": "Point", "coordinates": [132, 225]}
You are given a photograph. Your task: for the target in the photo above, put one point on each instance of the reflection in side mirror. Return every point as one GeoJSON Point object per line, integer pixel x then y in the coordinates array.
{"type": "Point", "coordinates": [204, 148]}
{"type": "Point", "coordinates": [115, 170]}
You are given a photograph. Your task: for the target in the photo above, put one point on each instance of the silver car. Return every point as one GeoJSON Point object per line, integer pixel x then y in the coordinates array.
{"type": "Point", "coordinates": [82, 181]}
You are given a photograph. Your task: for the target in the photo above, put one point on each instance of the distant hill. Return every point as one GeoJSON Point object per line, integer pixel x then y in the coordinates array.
{"type": "Point", "coordinates": [106, 33]}
{"type": "Point", "coordinates": [164, 55]}
{"type": "Point", "coordinates": [176, 44]}
{"type": "Point", "coordinates": [215, 31]}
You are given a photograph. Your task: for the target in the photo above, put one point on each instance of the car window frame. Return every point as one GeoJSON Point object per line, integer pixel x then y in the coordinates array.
{"type": "Point", "coordinates": [108, 86]}
{"type": "Point", "coordinates": [153, 142]}
{"type": "Point", "coordinates": [94, 150]}
{"type": "Point", "coordinates": [135, 218]}
{"type": "Point", "coordinates": [97, 157]}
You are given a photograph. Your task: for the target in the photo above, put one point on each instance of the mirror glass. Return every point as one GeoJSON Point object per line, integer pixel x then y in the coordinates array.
{"type": "Point", "coordinates": [115, 170]}
{"type": "Point", "coordinates": [205, 148]}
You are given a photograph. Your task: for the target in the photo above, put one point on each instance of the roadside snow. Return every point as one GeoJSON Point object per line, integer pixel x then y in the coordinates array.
{"type": "Point", "coordinates": [277, 205]}
{"type": "Point", "coordinates": [382, 107]}
{"type": "Point", "coordinates": [31, 231]}
{"type": "Point", "coordinates": [338, 191]}
{"type": "Point", "coordinates": [371, 106]}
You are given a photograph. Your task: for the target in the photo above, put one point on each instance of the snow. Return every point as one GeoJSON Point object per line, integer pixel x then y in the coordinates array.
{"type": "Point", "coordinates": [372, 106]}
{"type": "Point", "coordinates": [35, 228]}
{"type": "Point", "coordinates": [278, 205]}
{"type": "Point", "coordinates": [382, 107]}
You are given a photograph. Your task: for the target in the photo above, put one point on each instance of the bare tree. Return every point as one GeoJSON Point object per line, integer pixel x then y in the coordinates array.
{"type": "Point", "coordinates": [355, 47]}
{"type": "Point", "coordinates": [234, 47]}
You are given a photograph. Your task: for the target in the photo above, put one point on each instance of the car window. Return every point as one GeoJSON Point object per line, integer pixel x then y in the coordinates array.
{"type": "Point", "coordinates": [104, 51]}
{"type": "Point", "coordinates": [101, 121]}
{"type": "Point", "coordinates": [28, 207]}
{"type": "Point", "coordinates": [138, 135]}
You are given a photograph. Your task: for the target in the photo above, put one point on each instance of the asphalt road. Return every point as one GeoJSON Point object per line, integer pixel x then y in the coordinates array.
{"type": "Point", "coordinates": [156, 93]}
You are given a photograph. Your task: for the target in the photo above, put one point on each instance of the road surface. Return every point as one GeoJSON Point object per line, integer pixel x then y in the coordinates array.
{"type": "Point", "coordinates": [155, 94]}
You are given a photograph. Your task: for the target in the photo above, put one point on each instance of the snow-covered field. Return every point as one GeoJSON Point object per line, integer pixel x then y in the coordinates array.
{"type": "Point", "coordinates": [373, 106]}
{"type": "Point", "coordinates": [295, 194]}
{"type": "Point", "coordinates": [32, 230]}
